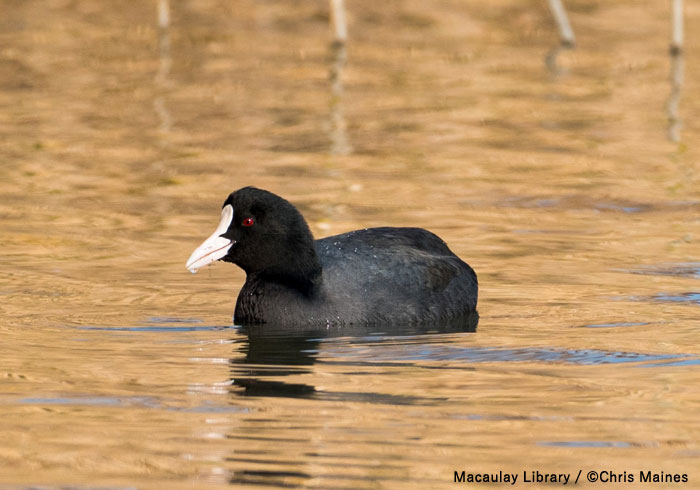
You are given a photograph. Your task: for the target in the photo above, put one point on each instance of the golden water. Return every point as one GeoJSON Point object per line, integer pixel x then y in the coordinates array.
{"type": "Point", "coordinates": [119, 140]}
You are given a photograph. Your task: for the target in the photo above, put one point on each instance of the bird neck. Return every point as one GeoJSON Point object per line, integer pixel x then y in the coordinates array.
{"type": "Point", "coordinates": [300, 271]}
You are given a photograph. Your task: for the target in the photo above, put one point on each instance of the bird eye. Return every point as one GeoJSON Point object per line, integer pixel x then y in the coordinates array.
{"type": "Point", "coordinates": [248, 222]}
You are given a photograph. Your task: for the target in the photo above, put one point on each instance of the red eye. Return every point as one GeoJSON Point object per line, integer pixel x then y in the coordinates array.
{"type": "Point", "coordinates": [248, 222]}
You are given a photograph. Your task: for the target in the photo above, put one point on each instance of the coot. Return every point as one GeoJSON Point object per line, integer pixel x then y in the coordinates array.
{"type": "Point", "coordinates": [364, 277]}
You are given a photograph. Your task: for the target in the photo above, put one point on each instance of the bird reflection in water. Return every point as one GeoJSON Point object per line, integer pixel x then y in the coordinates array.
{"type": "Point", "coordinates": [267, 352]}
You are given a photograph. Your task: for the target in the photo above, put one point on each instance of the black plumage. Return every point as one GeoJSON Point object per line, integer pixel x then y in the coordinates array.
{"type": "Point", "coordinates": [364, 277]}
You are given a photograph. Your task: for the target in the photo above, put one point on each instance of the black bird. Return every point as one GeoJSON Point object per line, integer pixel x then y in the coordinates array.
{"type": "Point", "coordinates": [364, 277]}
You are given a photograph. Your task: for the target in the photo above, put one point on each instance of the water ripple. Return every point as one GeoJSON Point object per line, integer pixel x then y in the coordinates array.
{"type": "Point", "coordinates": [127, 401]}
{"type": "Point", "coordinates": [525, 354]}
{"type": "Point", "coordinates": [684, 269]}
{"type": "Point", "coordinates": [158, 328]}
